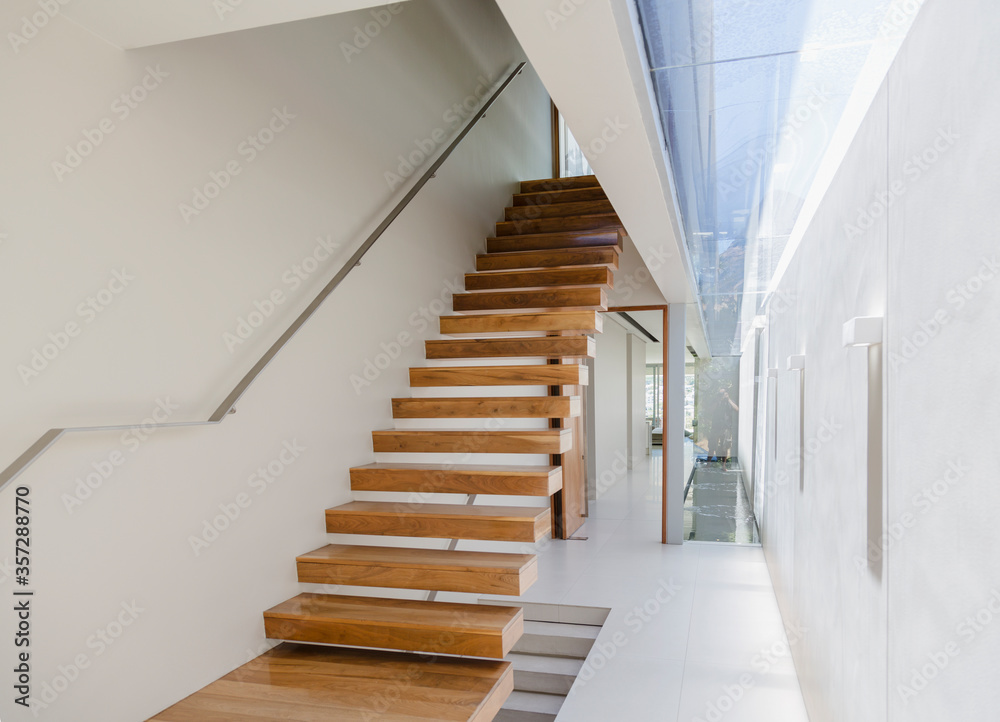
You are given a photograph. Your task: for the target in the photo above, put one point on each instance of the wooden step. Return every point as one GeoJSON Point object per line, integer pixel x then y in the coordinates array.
{"type": "Point", "coordinates": [548, 241]}
{"type": "Point", "coordinates": [440, 521]}
{"type": "Point", "coordinates": [555, 225]}
{"type": "Point", "coordinates": [581, 321]}
{"type": "Point", "coordinates": [556, 258]}
{"type": "Point", "coordinates": [490, 407]}
{"type": "Point", "coordinates": [558, 210]}
{"type": "Point", "coordinates": [541, 278]}
{"type": "Point", "coordinates": [570, 195]}
{"type": "Point", "coordinates": [405, 624]}
{"type": "Point", "coordinates": [538, 346]}
{"type": "Point", "coordinates": [407, 568]}
{"type": "Point", "coordinates": [307, 683]}
{"type": "Point", "coordinates": [559, 298]}
{"type": "Point", "coordinates": [458, 479]}
{"type": "Point", "coordinates": [551, 184]}
{"type": "Point", "coordinates": [533, 375]}
{"type": "Point", "coordinates": [469, 441]}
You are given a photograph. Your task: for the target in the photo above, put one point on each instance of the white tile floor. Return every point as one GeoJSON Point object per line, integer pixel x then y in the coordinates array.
{"type": "Point", "coordinates": [694, 633]}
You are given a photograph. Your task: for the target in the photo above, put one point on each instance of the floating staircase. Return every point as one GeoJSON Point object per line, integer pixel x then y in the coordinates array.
{"type": "Point", "coordinates": [536, 296]}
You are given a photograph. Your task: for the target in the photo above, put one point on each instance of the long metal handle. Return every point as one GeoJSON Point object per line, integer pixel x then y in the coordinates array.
{"type": "Point", "coordinates": [51, 436]}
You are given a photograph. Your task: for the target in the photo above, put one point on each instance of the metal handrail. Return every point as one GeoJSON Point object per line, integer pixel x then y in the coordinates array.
{"type": "Point", "coordinates": [50, 437]}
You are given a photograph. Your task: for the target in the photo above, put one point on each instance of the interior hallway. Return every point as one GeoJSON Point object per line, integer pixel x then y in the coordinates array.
{"type": "Point", "coordinates": [693, 628]}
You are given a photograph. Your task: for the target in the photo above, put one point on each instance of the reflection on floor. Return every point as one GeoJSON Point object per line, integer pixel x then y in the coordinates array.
{"type": "Point", "coordinates": [716, 506]}
{"type": "Point", "coordinates": [694, 631]}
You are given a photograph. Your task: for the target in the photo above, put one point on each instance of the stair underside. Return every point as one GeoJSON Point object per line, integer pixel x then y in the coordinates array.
{"type": "Point", "coordinates": [507, 441]}
{"type": "Point", "coordinates": [403, 624]}
{"type": "Point", "coordinates": [458, 479]}
{"type": "Point", "coordinates": [533, 375]}
{"type": "Point", "coordinates": [442, 521]}
{"type": "Point", "coordinates": [538, 346]}
{"type": "Point", "coordinates": [490, 407]}
{"type": "Point", "coordinates": [408, 568]}
{"type": "Point", "coordinates": [305, 683]}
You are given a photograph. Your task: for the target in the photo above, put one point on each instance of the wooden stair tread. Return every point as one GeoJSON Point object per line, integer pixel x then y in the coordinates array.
{"type": "Point", "coordinates": [565, 195]}
{"type": "Point", "coordinates": [474, 441]}
{"type": "Point", "coordinates": [307, 683]}
{"type": "Point", "coordinates": [540, 278]}
{"type": "Point", "coordinates": [458, 479]}
{"type": "Point", "coordinates": [549, 184]}
{"type": "Point", "coordinates": [440, 521]}
{"type": "Point", "coordinates": [556, 241]}
{"type": "Point", "coordinates": [549, 258]}
{"type": "Point", "coordinates": [440, 511]}
{"type": "Point", "coordinates": [559, 210]}
{"type": "Point", "coordinates": [492, 323]}
{"type": "Point", "coordinates": [419, 559]}
{"type": "Point", "coordinates": [555, 298]}
{"type": "Point", "coordinates": [512, 407]}
{"type": "Point", "coordinates": [513, 375]}
{"type": "Point", "coordinates": [540, 346]}
{"type": "Point", "coordinates": [405, 624]}
{"type": "Point", "coordinates": [554, 225]}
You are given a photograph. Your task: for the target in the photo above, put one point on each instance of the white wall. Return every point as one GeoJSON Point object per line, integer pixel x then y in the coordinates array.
{"type": "Point", "coordinates": [162, 336]}
{"type": "Point", "coordinates": [611, 418]}
{"type": "Point", "coordinates": [887, 631]}
{"type": "Point", "coordinates": [636, 390]}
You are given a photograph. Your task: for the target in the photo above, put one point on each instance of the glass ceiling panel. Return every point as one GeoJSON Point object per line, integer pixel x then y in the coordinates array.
{"type": "Point", "coordinates": [750, 95]}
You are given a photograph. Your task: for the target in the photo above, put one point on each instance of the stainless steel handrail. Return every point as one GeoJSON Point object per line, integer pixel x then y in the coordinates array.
{"type": "Point", "coordinates": [51, 436]}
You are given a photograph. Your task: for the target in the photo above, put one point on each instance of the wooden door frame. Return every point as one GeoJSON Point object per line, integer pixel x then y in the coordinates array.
{"type": "Point", "coordinates": [665, 309]}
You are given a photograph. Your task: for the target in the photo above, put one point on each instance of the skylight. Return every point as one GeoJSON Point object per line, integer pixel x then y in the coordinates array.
{"type": "Point", "coordinates": [751, 95]}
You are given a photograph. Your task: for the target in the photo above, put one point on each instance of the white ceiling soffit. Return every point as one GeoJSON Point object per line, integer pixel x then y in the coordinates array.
{"type": "Point", "coordinates": [132, 24]}
{"type": "Point", "coordinates": [593, 65]}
